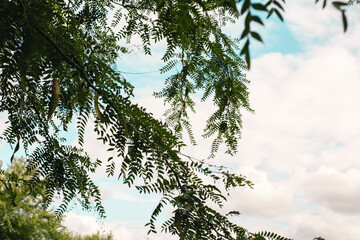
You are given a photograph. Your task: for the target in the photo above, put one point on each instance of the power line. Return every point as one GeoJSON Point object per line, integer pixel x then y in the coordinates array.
{"type": "Point", "coordinates": [140, 72]}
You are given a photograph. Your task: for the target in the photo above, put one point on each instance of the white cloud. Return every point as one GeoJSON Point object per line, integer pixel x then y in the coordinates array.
{"type": "Point", "coordinates": [301, 148]}
{"type": "Point", "coordinates": [267, 199]}
{"type": "Point", "coordinates": [308, 224]}
{"type": "Point", "coordinates": [306, 128]}
{"type": "Point", "coordinates": [81, 224]}
{"type": "Point", "coordinates": [338, 191]}
{"type": "Point", "coordinates": [307, 20]}
{"type": "Point", "coordinates": [90, 225]}
{"type": "Point", "coordinates": [304, 110]}
{"type": "Point", "coordinates": [303, 206]}
{"type": "Point", "coordinates": [313, 25]}
{"type": "Point", "coordinates": [121, 230]}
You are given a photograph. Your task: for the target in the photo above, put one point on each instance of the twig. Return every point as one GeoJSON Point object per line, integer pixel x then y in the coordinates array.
{"type": "Point", "coordinates": [175, 174]}
{"type": "Point", "coordinates": [78, 67]}
{"type": "Point", "coordinates": [83, 74]}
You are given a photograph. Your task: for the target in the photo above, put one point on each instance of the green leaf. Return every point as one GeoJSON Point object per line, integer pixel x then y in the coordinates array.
{"type": "Point", "coordinates": [338, 5]}
{"type": "Point", "coordinates": [345, 24]}
{"type": "Point", "coordinates": [245, 51]}
{"type": "Point", "coordinates": [248, 20]}
{"type": "Point", "coordinates": [257, 19]}
{"type": "Point", "coordinates": [270, 12]}
{"type": "Point", "coordinates": [279, 15]}
{"type": "Point", "coordinates": [245, 6]}
{"type": "Point", "coordinates": [259, 6]}
{"type": "Point", "coordinates": [245, 48]}
{"type": "Point", "coordinates": [245, 32]}
{"type": "Point", "coordinates": [247, 58]}
{"type": "Point", "coordinates": [256, 36]}
{"type": "Point", "coordinates": [279, 5]}
{"type": "Point", "coordinates": [268, 3]}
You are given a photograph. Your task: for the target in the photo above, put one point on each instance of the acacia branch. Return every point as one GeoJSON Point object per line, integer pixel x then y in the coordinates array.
{"type": "Point", "coordinates": [77, 66]}
{"type": "Point", "coordinates": [83, 74]}
{"type": "Point", "coordinates": [175, 174]}
{"type": "Point", "coordinates": [193, 159]}
{"type": "Point", "coordinates": [66, 58]}
{"type": "Point", "coordinates": [42, 122]}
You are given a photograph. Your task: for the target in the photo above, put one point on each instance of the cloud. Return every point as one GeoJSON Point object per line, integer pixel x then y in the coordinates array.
{"type": "Point", "coordinates": [308, 224]}
{"type": "Point", "coordinates": [307, 20]}
{"type": "Point", "coordinates": [335, 190]}
{"type": "Point", "coordinates": [313, 25]}
{"type": "Point", "coordinates": [121, 230]}
{"type": "Point", "coordinates": [306, 128]}
{"type": "Point", "coordinates": [87, 225]}
{"type": "Point", "coordinates": [81, 224]}
{"type": "Point", "coordinates": [303, 206]}
{"type": "Point", "coordinates": [306, 106]}
{"type": "Point", "coordinates": [301, 148]}
{"type": "Point", "coordinates": [267, 199]}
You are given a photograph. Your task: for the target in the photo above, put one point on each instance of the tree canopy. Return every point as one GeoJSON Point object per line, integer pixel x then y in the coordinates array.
{"type": "Point", "coordinates": [22, 210]}
{"type": "Point", "coordinates": [57, 66]}
{"type": "Point", "coordinates": [22, 213]}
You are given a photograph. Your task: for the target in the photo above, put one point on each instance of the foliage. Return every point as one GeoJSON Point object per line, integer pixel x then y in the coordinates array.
{"type": "Point", "coordinates": [351, 2]}
{"type": "Point", "coordinates": [96, 236]}
{"type": "Point", "coordinates": [57, 62]}
{"type": "Point", "coordinates": [23, 212]}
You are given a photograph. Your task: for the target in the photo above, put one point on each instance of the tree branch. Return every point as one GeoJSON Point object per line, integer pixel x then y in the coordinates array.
{"type": "Point", "coordinates": [175, 174]}
{"type": "Point", "coordinates": [83, 74]}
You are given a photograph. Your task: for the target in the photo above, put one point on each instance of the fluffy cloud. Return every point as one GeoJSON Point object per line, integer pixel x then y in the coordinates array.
{"type": "Point", "coordinates": [121, 230]}
{"type": "Point", "coordinates": [301, 148]}
{"type": "Point", "coordinates": [267, 199]}
{"type": "Point", "coordinates": [335, 190]}
{"type": "Point", "coordinates": [310, 23]}
{"type": "Point", "coordinates": [306, 107]}
{"type": "Point", "coordinates": [306, 133]}
{"type": "Point", "coordinates": [301, 206]}
{"type": "Point", "coordinates": [90, 225]}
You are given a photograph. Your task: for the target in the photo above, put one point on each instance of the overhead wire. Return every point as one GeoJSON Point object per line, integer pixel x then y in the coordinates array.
{"type": "Point", "coordinates": [140, 72]}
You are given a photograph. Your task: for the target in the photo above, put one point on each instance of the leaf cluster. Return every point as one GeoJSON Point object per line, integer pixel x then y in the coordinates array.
{"type": "Point", "coordinates": [57, 68]}
{"type": "Point", "coordinates": [23, 210]}
{"type": "Point", "coordinates": [23, 213]}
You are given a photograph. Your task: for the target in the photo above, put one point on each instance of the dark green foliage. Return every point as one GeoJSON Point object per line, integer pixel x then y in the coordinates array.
{"type": "Point", "coordinates": [268, 236]}
{"type": "Point", "coordinates": [97, 236]}
{"type": "Point", "coordinates": [23, 214]}
{"type": "Point", "coordinates": [351, 2]}
{"type": "Point", "coordinates": [249, 8]}
{"type": "Point", "coordinates": [71, 43]}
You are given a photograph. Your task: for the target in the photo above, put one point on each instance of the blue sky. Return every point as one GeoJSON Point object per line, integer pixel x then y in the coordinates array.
{"type": "Point", "coordinates": [301, 148]}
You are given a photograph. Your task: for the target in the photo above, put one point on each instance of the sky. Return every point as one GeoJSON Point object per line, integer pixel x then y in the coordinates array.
{"type": "Point", "coordinates": [301, 148]}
